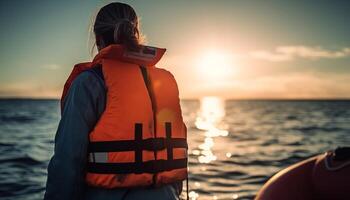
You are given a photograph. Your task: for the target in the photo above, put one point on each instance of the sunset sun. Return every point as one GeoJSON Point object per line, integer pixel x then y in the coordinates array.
{"type": "Point", "coordinates": [216, 65]}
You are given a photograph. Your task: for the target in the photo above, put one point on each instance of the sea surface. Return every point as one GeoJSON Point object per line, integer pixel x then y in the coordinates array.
{"type": "Point", "coordinates": [234, 146]}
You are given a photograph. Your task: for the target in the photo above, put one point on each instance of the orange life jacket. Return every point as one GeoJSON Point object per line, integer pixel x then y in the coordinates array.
{"type": "Point", "coordinates": [140, 139]}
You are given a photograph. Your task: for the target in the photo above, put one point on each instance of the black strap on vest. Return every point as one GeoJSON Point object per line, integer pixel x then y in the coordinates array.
{"type": "Point", "coordinates": [153, 166]}
{"type": "Point", "coordinates": [151, 144]}
{"type": "Point", "coordinates": [138, 145]}
{"type": "Point", "coordinates": [154, 108]}
{"type": "Point", "coordinates": [138, 149]}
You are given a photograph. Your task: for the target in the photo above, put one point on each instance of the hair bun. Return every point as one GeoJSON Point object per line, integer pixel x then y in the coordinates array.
{"type": "Point", "coordinates": [126, 32]}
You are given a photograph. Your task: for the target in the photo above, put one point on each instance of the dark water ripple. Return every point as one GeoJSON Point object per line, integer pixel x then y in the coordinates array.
{"type": "Point", "coordinates": [27, 129]}
{"type": "Point", "coordinates": [263, 137]}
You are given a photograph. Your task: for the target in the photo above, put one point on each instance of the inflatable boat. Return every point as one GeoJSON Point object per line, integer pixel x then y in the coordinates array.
{"type": "Point", "coordinates": [324, 176]}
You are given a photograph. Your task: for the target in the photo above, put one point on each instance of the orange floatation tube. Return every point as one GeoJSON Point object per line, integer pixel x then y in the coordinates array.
{"type": "Point", "coordinates": [140, 139]}
{"type": "Point", "coordinates": [324, 176]}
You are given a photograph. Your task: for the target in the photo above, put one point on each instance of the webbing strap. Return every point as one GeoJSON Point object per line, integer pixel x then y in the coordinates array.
{"type": "Point", "coordinates": [151, 144]}
{"type": "Point", "coordinates": [169, 141]}
{"type": "Point", "coordinates": [138, 139]}
{"type": "Point", "coordinates": [153, 166]}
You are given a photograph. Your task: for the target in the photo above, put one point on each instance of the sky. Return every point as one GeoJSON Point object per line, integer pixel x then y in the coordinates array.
{"type": "Point", "coordinates": [233, 49]}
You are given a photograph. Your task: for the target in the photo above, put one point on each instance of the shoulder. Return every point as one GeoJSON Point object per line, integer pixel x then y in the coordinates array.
{"type": "Point", "coordinates": [91, 78]}
{"type": "Point", "coordinates": [87, 85]}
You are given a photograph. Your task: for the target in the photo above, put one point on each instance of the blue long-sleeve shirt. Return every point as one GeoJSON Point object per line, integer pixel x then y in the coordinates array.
{"type": "Point", "coordinates": [83, 106]}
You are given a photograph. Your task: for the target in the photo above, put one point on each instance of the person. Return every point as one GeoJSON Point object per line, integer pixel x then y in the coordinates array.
{"type": "Point", "coordinates": [121, 133]}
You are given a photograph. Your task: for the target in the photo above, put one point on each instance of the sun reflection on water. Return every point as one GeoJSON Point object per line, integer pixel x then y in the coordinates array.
{"type": "Point", "coordinates": [209, 120]}
{"type": "Point", "coordinates": [212, 111]}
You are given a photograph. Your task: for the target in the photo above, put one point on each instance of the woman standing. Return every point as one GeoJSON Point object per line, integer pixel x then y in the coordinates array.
{"type": "Point", "coordinates": [121, 135]}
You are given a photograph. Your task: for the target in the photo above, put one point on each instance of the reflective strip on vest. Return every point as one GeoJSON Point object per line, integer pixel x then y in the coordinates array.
{"type": "Point", "coordinates": [98, 157]}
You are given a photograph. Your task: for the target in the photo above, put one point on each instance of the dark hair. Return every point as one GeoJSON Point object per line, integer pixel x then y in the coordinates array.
{"type": "Point", "coordinates": [117, 23]}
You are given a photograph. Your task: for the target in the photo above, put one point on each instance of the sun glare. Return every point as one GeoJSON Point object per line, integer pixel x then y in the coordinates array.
{"type": "Point", "coordinates": [216, 65]}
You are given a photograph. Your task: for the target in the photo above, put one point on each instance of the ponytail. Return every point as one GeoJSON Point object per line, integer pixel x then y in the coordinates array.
{"type": "Point", "coordinates": [127, 34]}
{"type": "Point", "coordinates": [117, 23]}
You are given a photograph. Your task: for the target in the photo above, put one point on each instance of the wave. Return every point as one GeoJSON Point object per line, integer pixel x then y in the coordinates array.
{"type": "Point", "coordinates": [25, 160]}
{"type": "Point", "coordinates": [16, 119]}
{"type": "Point", "coordinates": [307, 129]}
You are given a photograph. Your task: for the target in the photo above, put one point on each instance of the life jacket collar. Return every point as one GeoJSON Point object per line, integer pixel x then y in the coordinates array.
{"type": "Point", "coordinates": [146, 56]}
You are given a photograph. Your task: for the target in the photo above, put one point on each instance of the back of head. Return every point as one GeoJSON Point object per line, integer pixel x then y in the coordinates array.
{"type": "Point", "coordinates": [117, 23]}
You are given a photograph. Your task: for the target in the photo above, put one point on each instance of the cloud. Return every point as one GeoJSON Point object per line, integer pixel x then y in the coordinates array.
{"type": "Point", "coordinates": [287, 53]}
{"type": "Point", "coordinates": [51, 66]}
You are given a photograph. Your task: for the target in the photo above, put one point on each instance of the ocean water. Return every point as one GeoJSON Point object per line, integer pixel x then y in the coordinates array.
{"type": "Point", "coordinates": [234, 146]}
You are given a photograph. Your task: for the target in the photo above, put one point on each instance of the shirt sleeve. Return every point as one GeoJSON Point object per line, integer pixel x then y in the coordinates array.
{"type": "Point", "coordinates": [82, 107]}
